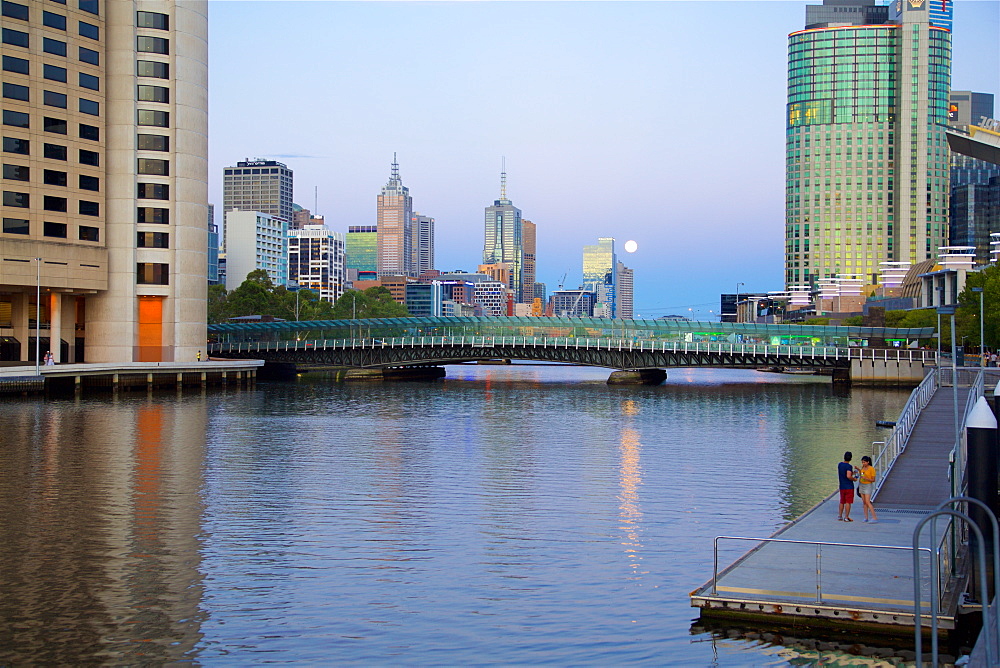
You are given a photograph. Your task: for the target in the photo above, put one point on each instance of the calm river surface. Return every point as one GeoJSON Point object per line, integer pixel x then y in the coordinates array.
{"type": "Point", "coordinates": [512, 515]}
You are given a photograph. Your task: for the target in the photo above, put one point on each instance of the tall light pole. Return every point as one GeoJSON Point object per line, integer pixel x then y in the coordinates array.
{"type": "Point", "coordinates": [982, 343]}
{"type": "Point", "coordinates": [38, 313]}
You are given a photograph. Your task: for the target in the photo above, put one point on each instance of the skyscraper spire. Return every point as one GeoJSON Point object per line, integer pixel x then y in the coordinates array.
{"type": "Point", "coordinates": [395, 167]}
{"type": "Point", "coordinates": [503, 181]}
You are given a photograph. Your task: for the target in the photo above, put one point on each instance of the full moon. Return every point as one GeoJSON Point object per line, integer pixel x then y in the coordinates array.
{"type": "Point", "coordinates": [631, 246]}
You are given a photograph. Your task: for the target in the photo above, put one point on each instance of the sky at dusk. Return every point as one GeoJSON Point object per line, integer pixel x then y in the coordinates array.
{"type": "Point", "coordinates": [661, 122]}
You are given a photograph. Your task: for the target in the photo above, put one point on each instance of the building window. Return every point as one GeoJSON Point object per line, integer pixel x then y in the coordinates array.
{"type": "Point", "coordinates": [54, 151]}
{"type": "Point", "coordinates": [90, 132]}
{"type": "Point", "coordinates": [89, 6]}
{"type": "Point", "coordinates": [54, 73]}
{"type": "Point", "coordinates": [89, 233]}
{"type": "Point", "coordinates": [16, 145]}
{"type": "Point", "coordinates": [154, 167]}
{"type": "Point", "coordinates": [153, 215]}
{"type": "Point", "coordinates": [154, 143]}
{"type": "Point", "coordinates": [90, 56]}
{"type": "Point", "coordinates": [153, 94]}
{"type": "Point", "coordinates": [14, 10]}
{"type": "Point", "coordinates": [15, 199]}
{"type": "Point", "coordinates": [54, 99]}
{"type": "Point", "coordinates": [90, 107]}
{"type": "Point", "coordinates": [151, 68]}
{"type": "Point", "coordinates": [160, 119]}
{"type": "Point", "coordinates": [15, 226]}
{"type": "Point", "coordinates": [154, 191]}
{"type": "Point", "coordinates": [89, 208]}
{"type": "Point", "coordinates": [152, 240]}
{"type": "Point", "coordinates": [54, 125]}
{"type": "Point", "coordinates": [150, 273]}
{"type": "Point", "coordinates": [57, 21]}
{"type": "Point", "coordinates": [89, 182]}
{"type": "Point", "coordinates": [57, 230]}
{"type": "Point", "coordinates": [15, 37]}
{"type": "Point", "coordinates": [12, 64]}
{"type": "Point", "coordinates": [153, 20]}
{"type": "Point", "coordinates": [89, 81]}
{"type": "Point", "coordinates": [17, 119]}
{"type": "Point", "coordinates": [53, 177]}
{"type": "Point", "coordinates": [50, 203]}
{"type": "Point", "coordinates": [15, 92]}
{"type": "Point", "coordinates": [53, 46]}
{"type": "Point", "coordinates": [16, 172]}
{"type": "Point", "coordinates": [152, 44]}
{"type": "Point", "coordinates": [89, 30]}
{"type": "Point", "coordinates": [90, 158]}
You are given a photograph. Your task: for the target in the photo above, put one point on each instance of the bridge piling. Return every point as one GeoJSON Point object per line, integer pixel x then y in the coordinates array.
{"type": "Point", "coordinates": [638, 377]}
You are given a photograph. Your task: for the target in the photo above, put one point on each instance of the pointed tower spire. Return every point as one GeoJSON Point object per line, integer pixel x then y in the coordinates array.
{"type": "Point", "coordinates": [395, 167]}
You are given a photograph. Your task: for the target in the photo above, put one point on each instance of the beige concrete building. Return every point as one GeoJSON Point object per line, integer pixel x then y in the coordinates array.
{"type": "Point", "coordinates": [394, 221]}
{"type": "Point", "coordinates": [105, 183]}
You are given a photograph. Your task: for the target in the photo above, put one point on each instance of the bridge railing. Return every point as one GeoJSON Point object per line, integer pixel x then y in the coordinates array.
{"type": "Point", "coordinates": [893, 446]}
{"type": "Point", "coordinates": [801, 352]}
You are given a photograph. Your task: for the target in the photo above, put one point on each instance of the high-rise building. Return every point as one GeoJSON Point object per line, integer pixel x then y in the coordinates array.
{"type": "Point", "coordinates": [423, 243]}
{"type": "Point", "coordinates": [361, 252]}
{"type": "Point", "coordinates": [105, 188]}
{"type": "Point", "coordinates": [255, 240]}
{"type": "Point", "coordinates": [492, 296]}
{"type": "Point", "coordinates": [504, 237]}
{"type": "Point", "coordinates": [424, 299]}
{"type": "Point", "coordinates": [573, 303]}
{"type": "Point", "coordinates": [528, 230]}
{"type": "Point", "coordinates": [395, 227]}
{"type": "Point", "coordinates": [316, 260]}
{"type": "Point", "coordinates": [600, 274]}
{"type": "Point", "coordinates": [213, 247]}
{"type": "Point", "coordinates": [866, 153]}
{"type": "Point", "coordinates": [625, 282]}
{"type": "Point", "coordinates": [974, 213]}
{"type": "Point", "coordinates": [258, 185]}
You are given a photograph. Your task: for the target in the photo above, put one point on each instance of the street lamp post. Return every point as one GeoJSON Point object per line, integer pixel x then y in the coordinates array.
{"type": "Point", "coordinates": [982, 342]}
{"type": "Point", "coordinates": [38, 313]}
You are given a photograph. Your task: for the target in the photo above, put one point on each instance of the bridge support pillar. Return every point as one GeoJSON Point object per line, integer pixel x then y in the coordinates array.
{"type": "Point", "coordinates": [885, 372]}
{"type": "Point", "coordinates": [638, 377]}
{"type": "Point", "coordinates": [841, 376]}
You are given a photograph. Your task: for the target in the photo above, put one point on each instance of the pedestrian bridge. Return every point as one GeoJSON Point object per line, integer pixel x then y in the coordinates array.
{"type": "Point", "coordinates": [614, 344]}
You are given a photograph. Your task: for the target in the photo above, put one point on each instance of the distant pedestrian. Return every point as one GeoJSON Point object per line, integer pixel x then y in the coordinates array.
{"type": "Point", "coordinates": [866, 486]}
{"type": "Point", "coordinates": [199, 355]}
{"type": "Point", "coordinates": [49, 359]}
{"type": "Point", "coordinates": [845, 472]}
{"type": "Point", "coordinates": [993, 358]}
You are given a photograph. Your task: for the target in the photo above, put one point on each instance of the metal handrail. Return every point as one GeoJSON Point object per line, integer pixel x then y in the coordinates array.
{"type": "Point", "coordinates": [819, 556]}
{"type": "Point", "coordinates": [959, 453]}
{"type": "Point", "coordinates": [895, 444]}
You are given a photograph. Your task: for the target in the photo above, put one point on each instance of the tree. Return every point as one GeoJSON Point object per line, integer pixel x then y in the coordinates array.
{"type": "Point", "coordinates": [375, 302]}
{"type": "Point", "coordinates": [967, 315]}
{"type": "Point", "coordinates": [217, 304]}
{"type": "Point", "coordinates": [254, 296]}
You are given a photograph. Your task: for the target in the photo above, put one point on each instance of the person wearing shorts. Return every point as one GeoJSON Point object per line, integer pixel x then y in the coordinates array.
{"type": "Point", "coordinates": [866, 486]}
{"type": "Point", "coordinates": [845, 472]}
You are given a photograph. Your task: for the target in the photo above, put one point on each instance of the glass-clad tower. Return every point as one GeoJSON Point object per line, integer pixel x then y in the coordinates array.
{"type": "Point", "coordinates": [361, 248]}
{"type": "Point", "coordinates": [504, 240]}
{"type": "Point", "coordinates": [866, 155]}
{"type": "Point", "coordinates": [599, 272]}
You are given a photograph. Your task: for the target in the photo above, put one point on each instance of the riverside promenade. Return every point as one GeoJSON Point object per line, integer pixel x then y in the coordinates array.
{"type": "Point", "coordinates": [125, 376]}
{"type": "Point", "coordinates": [858, 573]}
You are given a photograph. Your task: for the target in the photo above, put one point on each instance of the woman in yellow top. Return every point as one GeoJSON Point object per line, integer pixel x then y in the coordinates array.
{"type": "Point", "coordinates": [866, 487]}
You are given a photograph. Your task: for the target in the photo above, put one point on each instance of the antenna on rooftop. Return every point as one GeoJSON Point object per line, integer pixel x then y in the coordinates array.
{"type": "Point", "coordinates": [316, 200]}
{"type": "Point", "coordinates": [503, 177]}
{"type": "Point", "coordinates": [395, 167]}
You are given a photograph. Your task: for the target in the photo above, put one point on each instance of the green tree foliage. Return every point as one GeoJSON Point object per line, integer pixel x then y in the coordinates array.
{"type": "Point", "coordinates": [375, 302]}
{"type": "Point", "coordinates": [967, 316]}
{"type": "Point", "coordinates": [257, 295]}
{"type": "Point", "coordinates": [217, 304]}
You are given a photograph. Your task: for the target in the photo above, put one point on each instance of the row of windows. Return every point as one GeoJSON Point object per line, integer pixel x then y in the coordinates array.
{"type": "Point", "coordinates": [58, 126]}
{"type": "Point", "coordinates": [51, 177]}
{"type": "Point", "coordinates": [50, 229]}
{"type": "Point", "coordinates": [20, 38]}
{"type": "Point", "coordinates": [50, 98]}
{"type": "Point", "coordinates": [50, 151]}
{"type": "Point", "coordinates": [50, 72]}
{"type": "Point", "coordinates": [21, 200]}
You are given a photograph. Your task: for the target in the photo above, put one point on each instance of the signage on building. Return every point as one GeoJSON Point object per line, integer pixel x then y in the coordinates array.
{"type": "Point", "coordinates": [990, 124]}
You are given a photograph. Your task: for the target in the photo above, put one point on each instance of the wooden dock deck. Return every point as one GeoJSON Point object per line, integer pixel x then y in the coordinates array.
{"type": "Point", "coordinates": [850, 572]}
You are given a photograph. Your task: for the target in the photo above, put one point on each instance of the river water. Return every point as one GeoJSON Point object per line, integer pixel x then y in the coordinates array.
{"type": "Point", "coordinates": [519, 514]}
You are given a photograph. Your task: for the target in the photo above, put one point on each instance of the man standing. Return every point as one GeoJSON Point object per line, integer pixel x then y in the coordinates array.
{"type": "Point", "coordinates": [845, 472]}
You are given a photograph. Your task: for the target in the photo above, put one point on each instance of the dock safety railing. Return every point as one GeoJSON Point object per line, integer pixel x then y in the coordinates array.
{"type": "Point", "coordinates": [893, 446]}
{"type": "Point", "coordinates": [959, 453]}
{"type": "Point", "coordinates": [819, 545]}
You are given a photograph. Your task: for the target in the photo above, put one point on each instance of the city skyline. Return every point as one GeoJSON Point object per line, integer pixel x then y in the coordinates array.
{"type": "Point", "coordinates": [626, 142]}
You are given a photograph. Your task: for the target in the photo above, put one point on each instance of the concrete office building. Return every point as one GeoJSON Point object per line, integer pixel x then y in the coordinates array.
{"type": "Point", "coordinates": [105, 195]}
{"type": "Point", "coordinates": [316, 260]}
{"type": "Point", "coordinates": [504, 240]}
{"type": "Point", "coordinates": [423, 243]}
{"type": "Point", "coordinates": [258, 185]}
{"type": "Point", "coordinates": [573, 303]}
{"type": "Point", "coordinates": [492, 296]}
{"type": "Point", "coordinates": [866, 153]}
{"type": "Point", "coordinates": [625, 281]}
{"type": "Point", "coordinates": [394, 213]}
{"type": "Point", "coordinates": [255, 240]}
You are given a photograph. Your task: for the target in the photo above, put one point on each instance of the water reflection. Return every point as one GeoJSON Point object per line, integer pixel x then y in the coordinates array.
{"type": "Point", "coordinates": [100, 539]}
{"type": "Point", "coordinates": [631, 479]}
